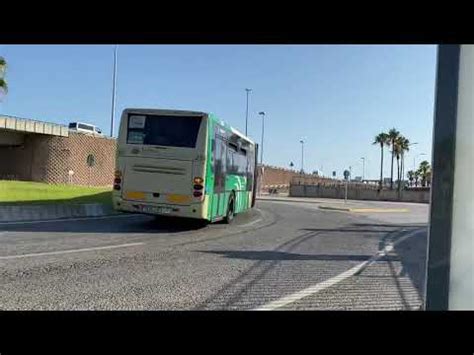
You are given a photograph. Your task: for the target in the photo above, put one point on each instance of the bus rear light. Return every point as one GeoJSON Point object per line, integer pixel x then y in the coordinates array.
{"type": "Point", "coordinates": [198, 180]}
{"type": "Point", "coordinates": [117, 181]}
{"type": "Point", "coordinates": [118, 174]}
{"type": "Point", "coordinates": [198, 187]}
{"type": "Point", "coordinates": [197, 193]}
{"type": "Point", "coordinates": [117, 187]}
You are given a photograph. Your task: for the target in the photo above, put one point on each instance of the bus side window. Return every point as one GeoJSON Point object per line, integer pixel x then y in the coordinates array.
{"type": "Point", "coordinates": [213, 153]}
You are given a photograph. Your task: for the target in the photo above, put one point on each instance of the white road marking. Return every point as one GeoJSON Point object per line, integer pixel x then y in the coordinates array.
{"type": "Point", "coordinates": [70, 219]}
{"type": "Point", "coordinates": [332, 281]}
{"type": "Point", "coordinates": [59, 252]}
{"type": "Point", "coordinates": [250, 223]}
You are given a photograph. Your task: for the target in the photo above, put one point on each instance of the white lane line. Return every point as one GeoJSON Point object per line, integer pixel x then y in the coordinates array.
{"type": "Point", "coordinates": [332, 281]}
{"type": "Point", "coordinates": [251, 223]}
{"type": "Point", "coordinates": [59, 252]}
{"type": "Point", "coordinates": [70, 219]}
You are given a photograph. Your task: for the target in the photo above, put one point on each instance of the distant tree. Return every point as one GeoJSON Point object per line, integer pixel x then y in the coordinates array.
{"type": "Point", "coordinates": [382, 140]}
{"type": "Point", "coordinates": [417, 177]}
{"type": "Point", "coordinates": [403, 146]}
{"type": "Point", "coordinates": [393, 135]}
{"type": "Point", "coordinates": [411, 176]}
{"type": "Point", "coordinates": [424, 171]}
{"type": "Point", "coordinates": [428, 178]}
{"type": "Point", "coordinates": [3, 82]}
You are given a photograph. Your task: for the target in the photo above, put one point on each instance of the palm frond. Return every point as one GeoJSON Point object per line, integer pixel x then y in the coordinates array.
{"type": "Point", "coordinates": [3, 85]}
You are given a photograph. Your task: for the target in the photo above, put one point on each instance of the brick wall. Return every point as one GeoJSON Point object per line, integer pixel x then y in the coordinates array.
{"type": "Point", "coordinates": [70, 153]}
{"type": "Point", "coordinates": [274, 175]}
{"type": "Point", "coordinates": [49, 158]}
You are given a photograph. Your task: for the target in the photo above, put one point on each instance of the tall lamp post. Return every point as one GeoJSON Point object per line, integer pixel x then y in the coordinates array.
{"type": "Point", "coordinates": [363, 168]}
{"type": "Point", "coordinates": [262, 113]}
{"type": "Point", "coordinates": [414, 160]}
{"type": "Point", "coordinates": [114, 83]}
{"type": "Point", "coordinates": [247, 110]}
{"type": "Point", "coordinates": [302, 155]}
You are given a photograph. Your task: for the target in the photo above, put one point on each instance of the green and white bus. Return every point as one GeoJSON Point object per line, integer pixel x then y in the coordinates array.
{"type": "Point", "coordinates": [183, 163]}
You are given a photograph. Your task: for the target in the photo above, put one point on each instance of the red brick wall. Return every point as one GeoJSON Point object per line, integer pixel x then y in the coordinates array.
{"type": "Point", "coordinates": [280, 176]}
{"type": "Point", "coordinates": [70, 153]}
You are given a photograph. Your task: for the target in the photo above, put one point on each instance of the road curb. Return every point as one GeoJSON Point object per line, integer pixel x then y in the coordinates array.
{"type": "Point", "coordinates": [285, 200]}
{"type": "Point", "coordinates": [345, 209]}
{"type": "Point", "coordinates": [365, 210]}
{"type": "Point", "coordinates": [20, 213]}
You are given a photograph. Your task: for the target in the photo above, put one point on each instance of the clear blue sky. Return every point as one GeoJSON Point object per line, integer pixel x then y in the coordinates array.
{"type": "Point", "coordinates": [336, 97]}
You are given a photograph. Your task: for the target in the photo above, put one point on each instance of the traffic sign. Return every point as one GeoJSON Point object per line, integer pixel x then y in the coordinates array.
{"type": "Point", "coordinates": [346, 174]}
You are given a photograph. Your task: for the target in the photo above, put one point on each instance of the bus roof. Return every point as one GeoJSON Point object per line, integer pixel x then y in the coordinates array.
{"type": "Point", "coordinates": [230, 128]}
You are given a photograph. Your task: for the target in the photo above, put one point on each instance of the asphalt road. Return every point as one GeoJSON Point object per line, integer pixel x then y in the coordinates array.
{"type": "Point", "coordinates": [281, 255]}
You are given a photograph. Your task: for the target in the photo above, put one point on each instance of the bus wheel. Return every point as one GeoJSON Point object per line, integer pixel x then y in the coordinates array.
{"type": "Point", "coordinates": [230, 210]}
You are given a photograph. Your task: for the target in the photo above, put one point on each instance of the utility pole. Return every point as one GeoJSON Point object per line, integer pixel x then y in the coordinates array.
{"type": "Point", "coordinates": [247, 110]}
{"type": "Point", "coordinates": [114, 83]}
{"type": "Point", "coordinates": [261, 113]}
{"type": "Point", "coordinates": [302, 156]}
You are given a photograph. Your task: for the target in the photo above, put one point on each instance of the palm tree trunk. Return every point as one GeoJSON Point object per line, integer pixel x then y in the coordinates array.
{"type": "Point", "coordinates": [381, 165]}
{"type": "Point", "coordinates": [402, 175]}
{"type": "Point", "coordinates": [398, 172]}
{"type": "Point", "coordinates": [391, 170]}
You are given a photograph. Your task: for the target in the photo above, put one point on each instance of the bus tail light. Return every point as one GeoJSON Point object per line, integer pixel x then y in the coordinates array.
{"type": "Point", "coordinates": [198, 187]}
{"type": "Point", "coordinates": [117, 180]}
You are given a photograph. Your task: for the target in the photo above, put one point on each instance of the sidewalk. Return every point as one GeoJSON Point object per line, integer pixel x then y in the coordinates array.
{"type": "Point", "coordinates": [341, 205]}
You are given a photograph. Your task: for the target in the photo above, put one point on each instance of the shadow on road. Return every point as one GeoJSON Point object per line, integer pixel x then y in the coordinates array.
{"type": "Point", "coordinates": [127, 223]}
{"type": "Point", "coordinates": [133, 223]}
{"type": "Point", "coordinates": [283, 256]}
{"type": "Point", "coordinates": [412, 253]}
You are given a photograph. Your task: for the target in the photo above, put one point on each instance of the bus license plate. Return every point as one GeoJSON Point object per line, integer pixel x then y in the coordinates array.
{"type": "Point", "coordinates": [153, 209]}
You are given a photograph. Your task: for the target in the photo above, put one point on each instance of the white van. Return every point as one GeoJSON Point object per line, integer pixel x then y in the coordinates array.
{"type": "Point", "coordinates": [85, 128]}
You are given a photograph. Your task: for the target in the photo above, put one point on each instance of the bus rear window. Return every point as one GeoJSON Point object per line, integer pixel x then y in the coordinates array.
{"type": "Point", "coordinates": [172, 131]}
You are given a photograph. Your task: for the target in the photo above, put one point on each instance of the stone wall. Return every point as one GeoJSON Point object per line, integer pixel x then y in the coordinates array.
{"type": "Point", "coordinates": [358, 193]}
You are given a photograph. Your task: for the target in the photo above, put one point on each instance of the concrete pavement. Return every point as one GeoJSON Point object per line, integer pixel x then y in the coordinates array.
{"type": "Point", "coordinates": [275, 251]}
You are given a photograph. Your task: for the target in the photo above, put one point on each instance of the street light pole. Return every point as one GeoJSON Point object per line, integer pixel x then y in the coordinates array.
{"type": "Point", "coordinates": [247, 110]}
{"type": "Point", "coordinates": [261, 113]}
{"type": "Point", "coordinates": [114, 83]}
{"type": "Point", "coordinates": [363, 168]}
{"type": "Point", "coordinates": [414, 160]}
{"type": "Point", "coordinates": [302, 155]}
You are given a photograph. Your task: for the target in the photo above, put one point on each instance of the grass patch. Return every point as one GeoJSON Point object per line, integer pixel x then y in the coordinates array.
{"type": "Point", "coordinates": [26, 192]}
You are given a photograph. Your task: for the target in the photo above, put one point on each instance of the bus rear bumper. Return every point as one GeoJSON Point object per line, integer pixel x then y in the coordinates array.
{"type": "Point", "coordinates": [187, 211]}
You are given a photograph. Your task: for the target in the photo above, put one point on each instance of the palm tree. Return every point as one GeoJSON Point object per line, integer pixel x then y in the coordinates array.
{"type": "Point", "coordinates": [392, 137]}
{"type": "Point", "coordinates": [381, 139]}
{"type": "Point", "coordinates": [397, 150]}
{"type": "Point", "coordinates": [428, 178]}
{"type": "Point", "coordinates": [3, 82]}
{"type": "Point", "coordinates": [411, 176]}
{"type": "Point", "coordinates": [425, 172]}
{"type": "Point", "coordinates": [417, 177]}
{"type": "Point", "coordinates": [404, 146]}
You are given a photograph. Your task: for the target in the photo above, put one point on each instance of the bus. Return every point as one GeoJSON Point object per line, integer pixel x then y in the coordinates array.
{"type": "Point", "coordinates": [183, 164]}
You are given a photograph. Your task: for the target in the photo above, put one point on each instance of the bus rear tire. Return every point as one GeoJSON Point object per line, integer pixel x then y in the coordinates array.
{"type": "Point", "coordinates": [229, 217]}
